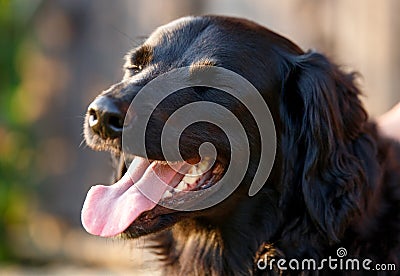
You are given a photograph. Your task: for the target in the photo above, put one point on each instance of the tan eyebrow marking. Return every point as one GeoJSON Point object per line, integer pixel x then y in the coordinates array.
{"type": "Point", "coordinates": [139, 57]}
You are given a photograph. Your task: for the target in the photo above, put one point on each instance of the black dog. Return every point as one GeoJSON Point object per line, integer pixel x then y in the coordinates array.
{"type": "Point", "coordinates": [335, 181]}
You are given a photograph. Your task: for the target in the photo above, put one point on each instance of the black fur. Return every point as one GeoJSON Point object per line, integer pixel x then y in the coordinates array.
{"type": "Point", "coordinates": [335, 181]}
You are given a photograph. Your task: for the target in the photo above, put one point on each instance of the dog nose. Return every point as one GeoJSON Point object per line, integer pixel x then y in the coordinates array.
{"type": "Point", "coordinates": [106, 117]}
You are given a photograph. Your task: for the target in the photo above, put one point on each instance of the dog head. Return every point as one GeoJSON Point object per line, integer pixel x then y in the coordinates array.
{"type": "Point", "coordinates": [306, 96]}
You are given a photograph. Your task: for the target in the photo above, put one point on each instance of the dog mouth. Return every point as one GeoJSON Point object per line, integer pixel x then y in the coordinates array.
{"type": "Point", "coordinates": [144, 191]}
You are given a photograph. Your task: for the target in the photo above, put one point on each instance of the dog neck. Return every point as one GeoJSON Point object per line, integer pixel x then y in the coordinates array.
{"type": "Point", "coordinates": [200, 246]}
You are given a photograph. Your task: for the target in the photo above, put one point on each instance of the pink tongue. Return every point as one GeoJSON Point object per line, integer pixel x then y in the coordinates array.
{"type": "Point", "coordinates": [109, 210]}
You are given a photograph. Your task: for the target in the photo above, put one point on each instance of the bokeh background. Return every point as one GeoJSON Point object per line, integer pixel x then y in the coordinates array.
{"type": "Point", "coordinates": [57, 55]}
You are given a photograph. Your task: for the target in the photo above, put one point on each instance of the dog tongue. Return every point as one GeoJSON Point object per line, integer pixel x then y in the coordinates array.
{"type": "Point", "coordinates": [109, 210]}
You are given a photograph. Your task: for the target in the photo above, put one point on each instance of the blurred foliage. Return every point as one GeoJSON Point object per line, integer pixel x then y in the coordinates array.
{"type": "Point", "coordinates": [17, 141]}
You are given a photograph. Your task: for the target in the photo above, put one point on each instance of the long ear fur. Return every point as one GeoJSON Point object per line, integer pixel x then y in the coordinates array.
{"type": "Point", "coordinates": [321, 116]}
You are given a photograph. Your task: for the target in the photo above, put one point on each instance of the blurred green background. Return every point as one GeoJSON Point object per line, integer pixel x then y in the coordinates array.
{"type": "Point", "coordinates": [18, 142]}
{"type": "Point", "coordinates": [57, 55]}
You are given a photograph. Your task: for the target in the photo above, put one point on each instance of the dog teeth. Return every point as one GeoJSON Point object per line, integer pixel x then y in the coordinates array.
{"type": "Point", "coordinates": [190, 180]}
{"type": "Point", "coordinates": [196, 176]}
{"type": "Point", "coordinates": [203, 166]}
{"type": "Point", "coordinates": [182, 186]}
{"type": "Point", "coordinates": [192, 171]}
{"type": "Point", "coordinates": [167, 194]}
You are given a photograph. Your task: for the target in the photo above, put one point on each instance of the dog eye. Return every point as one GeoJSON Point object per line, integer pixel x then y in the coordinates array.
{"type": "Point", "coordinates": [135, 68]}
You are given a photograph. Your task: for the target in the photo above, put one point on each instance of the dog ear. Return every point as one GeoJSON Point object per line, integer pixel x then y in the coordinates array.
{"type": "Point", "coordinates": [321, 116]}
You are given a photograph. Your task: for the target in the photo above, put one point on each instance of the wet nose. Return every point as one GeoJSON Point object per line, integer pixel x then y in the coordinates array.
{"type": "Point", "coordinates": [106, 117]}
